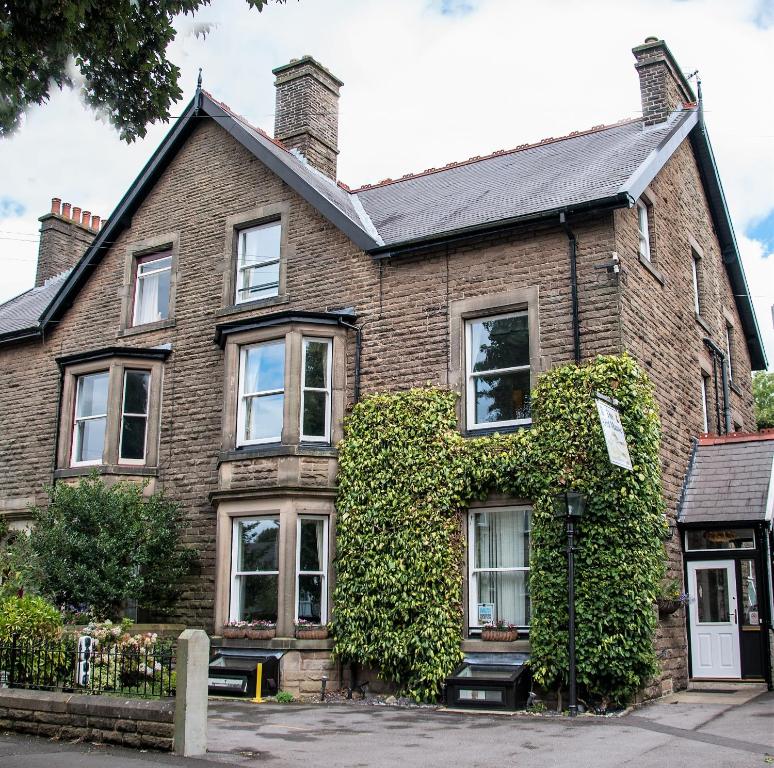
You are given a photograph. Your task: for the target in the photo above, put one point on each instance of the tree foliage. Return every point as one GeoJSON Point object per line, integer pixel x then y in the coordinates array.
{"type": "Point", "coordinates": [406, 478]}
{"type": "Point", "coordinates": [119, 47]}
{"type": "Point", "coordinates": [763, 394]}
{"type": "Point", "coordinates": [100, 545]}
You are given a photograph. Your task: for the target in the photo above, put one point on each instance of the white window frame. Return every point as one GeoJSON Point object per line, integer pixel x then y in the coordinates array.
{"type": "Point", "coordinates": [139, 277]}
{"type": "Point", "coordinates": [473, 571]}
{"type": "Point", "coordinates": [470, 375]}
{"type": "Point", "coordinates": [695, 274]}
{"type": "Point", "coordinates": [326, 438]}
{"type": "Point", "coordinates": [234, 610]}
{"type": "Point", "coordinates": [76, 419]}
{"type": "Point", "coordinates": [704, 403]}
{"type": "Point", "coordinates": [323, 574]}
{"type": "Point", "coordinates": [241, 410]}
{"type": "Point", "coordinates": [729, 351]}
{"type": "Point", "coordinates": [146, 415]}
{"type": "Point", "coordinates": [241, 266]}
{"type": "Point", "coordinates": [643, 226]}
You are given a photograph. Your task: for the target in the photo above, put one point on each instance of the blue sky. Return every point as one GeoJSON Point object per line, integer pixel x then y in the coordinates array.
{"type": "Point", "coordinates": [428, 82]}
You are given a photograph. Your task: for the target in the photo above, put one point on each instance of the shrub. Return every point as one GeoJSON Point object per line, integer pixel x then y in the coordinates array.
{"type": "Point", "coordinates": [284, 697]}
{"type": "Point", "coordinates": [30, 618]}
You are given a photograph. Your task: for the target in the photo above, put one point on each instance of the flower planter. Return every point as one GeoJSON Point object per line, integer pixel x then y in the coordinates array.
{"type": "Point", "coordinates": [261, 634]}
{"type": "Point", "coordinates": [311, 633]}
{"type": "Point", "coordinates": [233, 633]}
{"type": "Point", "coordinates": [667, 607]}
{"type": "Point", "coordinates": [500, 635]}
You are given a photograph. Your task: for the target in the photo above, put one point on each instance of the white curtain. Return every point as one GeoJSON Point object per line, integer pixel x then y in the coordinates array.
{"type": "Point", "coordinates": [148, 311]}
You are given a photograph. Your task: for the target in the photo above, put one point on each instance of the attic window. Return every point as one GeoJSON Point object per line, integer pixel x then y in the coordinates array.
{"type": "Point", "coordinates": [152, 284]}
{"type": "Point", "coordinates": [643, 220]}
{"type": "Point", "coordinates": [258, 262]}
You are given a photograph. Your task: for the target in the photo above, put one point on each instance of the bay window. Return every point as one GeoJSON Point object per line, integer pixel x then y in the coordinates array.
{"type": "Point", "coordinates": [499, 547]}
{"type": "Point", "coordinates": [261, 393]}
{"type": "Point", "coordinates": [134, 416]}
{"type": "Point", "coordinates": [90, 418]}
{"type": "Point", "coordinates": [498, 371]}
{"type": "Point", "coordinates": [312, 569]}
{"type": "Point", "coordinates": [316, 390]}
{"type": "Point", "coordinates": [255, 569]}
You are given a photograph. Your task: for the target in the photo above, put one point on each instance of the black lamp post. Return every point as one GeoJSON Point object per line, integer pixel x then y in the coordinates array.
{"type": "Point", "coordinates": [570, 505]}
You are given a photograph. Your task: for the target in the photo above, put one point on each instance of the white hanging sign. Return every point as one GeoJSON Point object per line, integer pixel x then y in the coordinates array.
{"type": "Point", "coordinates": [615, 437]}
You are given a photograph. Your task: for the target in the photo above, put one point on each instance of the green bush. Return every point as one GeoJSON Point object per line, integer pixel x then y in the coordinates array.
{"type": "Point", "coordinates": [284, 697]}
{"type": "Point", "coordinates": [406, 476]}
{"type": "Point", "coordinates": [30, 618]}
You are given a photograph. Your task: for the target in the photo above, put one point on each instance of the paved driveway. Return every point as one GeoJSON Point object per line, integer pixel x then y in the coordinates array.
{"type": "Point", "coordinates": [682, 732]}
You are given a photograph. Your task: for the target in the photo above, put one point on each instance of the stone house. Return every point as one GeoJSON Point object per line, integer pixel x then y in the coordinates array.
{"type": "Point", "coordinates": [239, 300]}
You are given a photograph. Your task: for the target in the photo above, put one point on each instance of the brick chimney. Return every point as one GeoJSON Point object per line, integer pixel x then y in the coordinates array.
{"type": "Point", "coordinates": [663, 86]}
{"type": "Point", "coordinates": [64, 236]}
{"type": "Point", "coordinates": [307, 112]}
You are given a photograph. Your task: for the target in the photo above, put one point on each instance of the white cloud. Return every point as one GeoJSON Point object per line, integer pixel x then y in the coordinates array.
{"type": "Point", "coordinates": [423, 88]}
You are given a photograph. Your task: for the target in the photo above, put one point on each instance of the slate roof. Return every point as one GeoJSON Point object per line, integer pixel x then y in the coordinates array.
{"type": "Point", "coordinates": [23, 312]}
{"type": "Point", "coordinates": [730, 480]}
{"type": "Point", "coordinates": [554, 174]}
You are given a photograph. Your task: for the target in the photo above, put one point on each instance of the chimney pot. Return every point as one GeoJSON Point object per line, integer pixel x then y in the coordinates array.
{"type": "Point", "coordinates": [86, 219]}
{"type": "Point", "coordinates": [95, 223]}
{"type": "Point", "coordinates": [651, 39]}
{"type": "Point", "coordinates": [56, 205]}
{"type": "Point", "coordinates": [76, 214]}
{"type": "Point", "coordinates": [66, 210]}
{"type": "Point", "coordinates": [307, 112]}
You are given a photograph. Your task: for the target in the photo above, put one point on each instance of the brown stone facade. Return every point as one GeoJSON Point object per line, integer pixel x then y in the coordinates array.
{"type": "Point", "coordinates": [411, 311]}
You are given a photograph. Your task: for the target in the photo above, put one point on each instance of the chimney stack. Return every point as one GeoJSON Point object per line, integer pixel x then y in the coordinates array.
{"type": "Point", "coordinates": [64, 236]}
{"type": "Point", "coordinates": [663, 87]}
{"type": "Point", "coordinates": [307, 112]}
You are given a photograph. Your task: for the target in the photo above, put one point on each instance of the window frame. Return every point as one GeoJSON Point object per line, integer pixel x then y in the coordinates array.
{"type": "Point", "coordinates": [234, 593]}
{"type": "Point", "coordinates": [729, 329]}
{"type": "Point", "coordinates": [697, 299]}
{"type": "Point", "coordinates": [473, 626]}
{"type": "Point", "coordinates": [328, 390]}
{"type": "Point", "coordinates": [323, 573]}
{"type": "Point", "coordinates": [644, 238]}
{"type": "Point", "coordinates": [705, 402]}
{"type": "Point", "coordinates": [241, 396]}
{"type": "Point", "coordinates": [138, 277]}
{"type": "Point", "coordinates": [240, 267]}
{"type": "Point", "coordinates": [124, 414]}
{"type": "Point", "coordinates": [75, 442]}
{"type": "Point", "coordinates": [470, 375]}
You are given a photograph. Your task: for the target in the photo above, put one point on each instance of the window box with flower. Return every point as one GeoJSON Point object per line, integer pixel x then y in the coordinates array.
{"type": "Point", "coordinates": [308, 630]}
{"type": "Point", "coordinates": [499, 631]}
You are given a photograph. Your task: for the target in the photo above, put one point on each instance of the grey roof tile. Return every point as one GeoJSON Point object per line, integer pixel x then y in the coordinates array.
{"type": "Point", "coordinates": [22, 312]}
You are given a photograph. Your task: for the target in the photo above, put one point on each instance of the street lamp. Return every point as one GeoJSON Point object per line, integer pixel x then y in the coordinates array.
{"type": "Point", "coordinates": [570, 505]}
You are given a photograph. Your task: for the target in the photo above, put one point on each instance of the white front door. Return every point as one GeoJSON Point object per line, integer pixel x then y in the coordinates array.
{"type": "Point", "coordinates": [714, 619]}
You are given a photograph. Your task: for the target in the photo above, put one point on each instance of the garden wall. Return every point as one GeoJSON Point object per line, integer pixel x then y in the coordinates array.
{"type": "Point", "coordinates": [148, 724]}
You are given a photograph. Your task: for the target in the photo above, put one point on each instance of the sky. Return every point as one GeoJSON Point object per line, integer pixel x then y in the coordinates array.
{"type": "Point", "coordinates": [427, 82]}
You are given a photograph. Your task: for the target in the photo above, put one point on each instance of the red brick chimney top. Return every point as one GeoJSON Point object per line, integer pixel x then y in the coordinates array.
{"type": "Point", "coordinates": [75, 214]}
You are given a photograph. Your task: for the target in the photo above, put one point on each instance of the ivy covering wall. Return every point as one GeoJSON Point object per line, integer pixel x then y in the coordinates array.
{"type": "Point", "coordinates": [406, 479]}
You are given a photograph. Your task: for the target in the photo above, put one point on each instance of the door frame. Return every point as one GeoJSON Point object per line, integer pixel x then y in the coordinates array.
{"type": "Point", "coordinates": [730, 566]}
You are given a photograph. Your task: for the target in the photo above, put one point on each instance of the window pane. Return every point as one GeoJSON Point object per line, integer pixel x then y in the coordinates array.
{"type": "Point", "coordinates": [509, 593]}
{"type": "Point", "coordinates": [312, 545]}
{"type": "Point", "coordinates": [136, 391]}
{"type": "Point", "coordinates": [310, 598]}
{"type": "Point", "coordinates": [263, 417]}
{"type": "Point", "coordinates": [314, 413]}
{"type": "Point", "coordinates": [259, 243]}
{"type": "Point", "coordinates": [258, 544]}
{"type": "Point", "coordinates": [152, 292]}
{"type": "Point", "coordinates": [729, 538]}
{"type": "Point", "coordinates": [257, 597]}
{"type": "Point", "coordinates": [499, 343]}
{"type": "Point", "coordinates": [750, 615]}
{"type": "Point", "coordinates": [257, 282]}
{"type": "Point", "coordinates": [91, 439]}
{"type": "Point", "coordinates": [133, 437]}
{"type": "Point", "coordinates": [712, 595]}
{"type": "Point", "coordinates": [316, 368]}
{"type": "Point", "coordinates": [154, 265]}
{"type": "Point", "coordinates": [502, 397]}
{"type": "Point", "coordinates": [264, 367]}
{"type": "Point", "coordinates": [502, 539]}
{"type": "Point", "coordinates": [92, 394]}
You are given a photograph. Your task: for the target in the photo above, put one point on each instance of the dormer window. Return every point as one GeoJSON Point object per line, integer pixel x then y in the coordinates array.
{"type": "Point", "coordinates": [258, 262]}
{"type": "Point", "coordinates": [643, 219]}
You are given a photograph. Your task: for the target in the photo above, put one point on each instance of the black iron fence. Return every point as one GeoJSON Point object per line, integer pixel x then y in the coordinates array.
{"type": "Point", "coordinates": [82, 665]}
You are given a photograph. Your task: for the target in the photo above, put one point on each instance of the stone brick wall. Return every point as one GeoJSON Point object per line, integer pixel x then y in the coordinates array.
{"type": "Point", "coordinates": [663, 87]}
{"type": "Point", "coordinates": [62, 243]}
{"type": "Point", "coordinates": [141, 723]}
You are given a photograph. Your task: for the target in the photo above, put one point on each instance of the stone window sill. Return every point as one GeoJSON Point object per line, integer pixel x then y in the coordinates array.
{"type": "Point", "coordinates": [107, 469]}
{"type": "Point", "coordinates": [276, 643]}
{"type": "Point", "coordinates": [735, 388]}
{"type": "Point", "coordinates": [246, 306]}
{"type": "Point", "coordinates": [136, 330]}
{"type": "Point", "coordinates": [495, 430]}
{"type": "Point", "coordinates": [275, 449]}
{"type": "Point", "coordinates": [475, 645]}
{"type": "Point", "coordinates": [700, 320]}
{"type": "Point", "coordinates": [653, 271]}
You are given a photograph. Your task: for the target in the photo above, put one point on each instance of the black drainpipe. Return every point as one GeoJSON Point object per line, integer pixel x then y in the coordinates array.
{"type": "Point", "coordinates": [573, 248]}
{"type": "Point", "coordinates": [720, 355]}
{"type": "Point", "coordinates": [358, 329]}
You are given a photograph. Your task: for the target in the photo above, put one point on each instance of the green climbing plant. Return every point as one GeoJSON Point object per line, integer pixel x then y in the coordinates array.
{"type": "Point", "coordinates": [406, 478]}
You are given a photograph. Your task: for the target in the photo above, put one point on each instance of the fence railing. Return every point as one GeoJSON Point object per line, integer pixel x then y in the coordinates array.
{"type": "Point", "coordinates": [81, 665]}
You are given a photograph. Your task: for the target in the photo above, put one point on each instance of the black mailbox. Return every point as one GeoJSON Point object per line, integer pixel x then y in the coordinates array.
{"type": "Point", "coordinates": [233, 672]}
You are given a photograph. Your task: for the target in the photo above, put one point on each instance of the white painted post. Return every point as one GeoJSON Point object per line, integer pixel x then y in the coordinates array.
{"type": "Point", "coordinates": [193, 660]}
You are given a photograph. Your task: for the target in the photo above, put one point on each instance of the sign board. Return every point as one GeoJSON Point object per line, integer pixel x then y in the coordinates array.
{"type": "Point", "coordinates": [486, 613]}
{"type": "Point", "coordinates": [617, 449]}
{"type": "Point", "coordinates": [228, 683]}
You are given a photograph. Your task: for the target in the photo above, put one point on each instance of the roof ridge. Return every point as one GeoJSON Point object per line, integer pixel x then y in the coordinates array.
{"type": "Point", "coordinates": [496, 153]}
